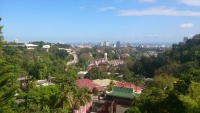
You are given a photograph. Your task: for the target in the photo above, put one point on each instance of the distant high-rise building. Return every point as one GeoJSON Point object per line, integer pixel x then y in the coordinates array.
{"type": "Point", "coordinates": [118, 44]}
{"type": "Point", "coordinates": [185, 39]}
{"type": "Point", "coordinates": [16, 41]}
{"type": "Point", "coordinates": [100, 44]}
{"type": "Point", "coordinates": [128, 44]}
{"type": "Point", "coordinates": [106, 43]}
{"type": "Point", "coordinates": [114, 45]}
{"type": "Point", "coordinates": [141, 46]}
{"type": "Point", "coordinates": [89, 44]}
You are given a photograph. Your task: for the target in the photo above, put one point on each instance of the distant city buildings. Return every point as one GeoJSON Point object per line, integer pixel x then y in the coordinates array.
{"type": "Point", "coordinates": [85, 46]}
{"type": "Point", "coordinates": [128, 44]}
{"type": "Point", "coordinates": [114, 45]}
{"type": "Point", "coordinates": [118, 44]}
{"type": "Point", "coordinates": [100, 44]}
{"type": "Point", "coordinates": [16, 41]}
{"type": "Point", "coordinates": [106, 43]}
{"type": "Point", "coordinates": [185, 39]}
{"type": "Point", "coordinates": [89, 44]}
{"type": "Point", "coordinates": [141, 46]}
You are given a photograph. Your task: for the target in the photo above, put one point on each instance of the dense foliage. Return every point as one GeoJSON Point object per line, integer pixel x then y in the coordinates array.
{"type": "Point", "coordinates": [175, 86]}
{"type": "Point", "coordinates": [16, 61]}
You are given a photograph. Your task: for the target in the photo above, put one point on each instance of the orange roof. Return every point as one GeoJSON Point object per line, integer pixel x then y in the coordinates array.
{"type": "Point", "coordinates": [89, 83]}
{"type": "Point", "coordinates": [126, 84]}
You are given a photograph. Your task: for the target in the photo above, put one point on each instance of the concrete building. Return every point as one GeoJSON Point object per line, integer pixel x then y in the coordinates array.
{"type": "Point", "coordinates": [84, 109]}
{"type": "Point", "coordinates": [128, 44]}
{"type": "Point", "coordinates": [118, 44]}
{"type": "Point", "coordinates": [106, 43]}
{"type": "Point", "coordinates": [98, 61]}
{"type": "Point", "coordinates": [30, 46]}
{"type": "Point", "coordinates": [43, 83]}
{"type": "Point", "coordinates": [185, 39]}
{"type": "Point", "coordinates": [68, 50]}
{"type": "Point", "coordinates": [114, 45]}
{"type": "Point", "coordinates": [46, 47]}
{"type": "Point", "coordinates": [16, 41]}
{"type": "Point", "coordinates": [100, 44]}
{"type": "Point", "coordinates": [116, 62]}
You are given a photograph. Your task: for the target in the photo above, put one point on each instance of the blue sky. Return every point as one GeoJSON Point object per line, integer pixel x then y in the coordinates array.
{"type": "Point", "coordinates": [76, 21]}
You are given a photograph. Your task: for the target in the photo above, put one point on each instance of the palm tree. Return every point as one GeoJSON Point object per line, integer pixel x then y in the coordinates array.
{"type": "Point", "coordinates": [81, 97]}
{"type": "Point", "coordinates": [65, 98]}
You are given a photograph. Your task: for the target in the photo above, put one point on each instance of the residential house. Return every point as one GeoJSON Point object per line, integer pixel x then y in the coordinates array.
{"type": "Point", "coordinates": [46, 47]}
{"type": "Point", "coordinates": [81, 74]}
{"type": "Point", "coordinates": [98, 50]}
{"type": "Point", "coordinates": [125, 55]}
{"type": "Point", "coordinates": [98, 61]}
{"type": "Point", "coordinates": [30, 46]}
{"type": "Point", "coordinates": [116, 62]}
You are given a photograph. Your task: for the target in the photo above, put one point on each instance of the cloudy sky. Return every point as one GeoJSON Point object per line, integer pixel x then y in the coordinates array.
{"type": "Point", "coordinates": [76, 21]}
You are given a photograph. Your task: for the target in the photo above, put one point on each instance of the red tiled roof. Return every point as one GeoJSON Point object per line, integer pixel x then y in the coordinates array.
{"type": "Point", "coordinates": [125, 54]}
{"type": "Point", "coordinates": [98, 59]}
{"type": "Point", "coordinates": [126, 84]}
{"type": "Point", "coordinates": [98, 50]}
{"type": "Point", "coordinates": [89, 83]}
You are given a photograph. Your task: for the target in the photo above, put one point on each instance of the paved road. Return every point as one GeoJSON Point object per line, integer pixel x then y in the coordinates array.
{"type": "Point", "coordinates": [73, 61]}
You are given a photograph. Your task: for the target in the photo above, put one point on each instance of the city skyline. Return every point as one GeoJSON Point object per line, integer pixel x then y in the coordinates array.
{"type": "Point", "coordinates": [69, 21]}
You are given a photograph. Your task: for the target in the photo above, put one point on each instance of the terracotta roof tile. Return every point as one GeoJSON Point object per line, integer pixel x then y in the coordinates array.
{"type": "Point", "coordinates": [89, 83]}
{"type": "Point", "coordinates": [126, 84]}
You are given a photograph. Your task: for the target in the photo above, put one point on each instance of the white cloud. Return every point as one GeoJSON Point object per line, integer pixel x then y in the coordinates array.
{"type": "Point", "coordinates": [106, 8]}
{"type": "Point", "coordinates": [162, 11]}
{"type": "Point", "coordinates": [147, 1]}
{"type": "Point", "coordinates": [152, 35]}
{"type": "Point", "coordinates": [190, 2]}
{"type": "Point", "coordinates": [188, 25]}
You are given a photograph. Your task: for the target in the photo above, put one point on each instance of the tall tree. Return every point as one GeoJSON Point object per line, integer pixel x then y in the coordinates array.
{"type": "Point", "coordinates": [65, 98]}
{"type": "Point", "coordinates": [81, 97]}
{"type": "Point", "coordinates": [111, 85]}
